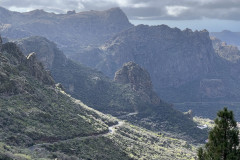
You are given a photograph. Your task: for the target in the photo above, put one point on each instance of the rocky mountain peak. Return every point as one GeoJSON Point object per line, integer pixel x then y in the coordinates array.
{"type": "Point", "coordinates": [132, 73]}
{"type": "Point", "coordinates": [117, 17]}
{"type": "Point", "coordinates": [139, 80]}
{"type": "Point", "coordinates": [116, 12]}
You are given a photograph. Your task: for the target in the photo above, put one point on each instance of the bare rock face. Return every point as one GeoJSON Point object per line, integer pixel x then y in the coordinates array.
{"type": "Point", "coordinates": [212, 88]}
{"type": "Point", "coordinates": [132, 73]}
{"type": "Point", "coordinates": [230, 37]}
{"type": "Point", "coordinates": [229, 52]}
{"type": "Point", "coordinates": [172, 57]}
{"type": "Point", "coordinates": [0, 43]}
{"type": "Point", "coordinates": [139, 80]}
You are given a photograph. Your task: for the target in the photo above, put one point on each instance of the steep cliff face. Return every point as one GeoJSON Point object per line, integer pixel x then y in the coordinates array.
{"type": "Point", "coordinates": [71, 32]}
{"type": "Point", "coordinates": [1, 44]}
{"type": "Point", "coordinates": [232, 38]}
{"type": "Point", "coordinates": [139, 80]}
{"type": "Point", "coordinates": [183, 65]}
{"type": "Point", "coordinates": [228, 52]}
{"type": "Point", "coordinates": [173, 57]}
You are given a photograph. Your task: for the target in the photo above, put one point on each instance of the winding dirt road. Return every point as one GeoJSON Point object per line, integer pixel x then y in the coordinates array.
{"type": "Point", "coordinates": [111, 130]}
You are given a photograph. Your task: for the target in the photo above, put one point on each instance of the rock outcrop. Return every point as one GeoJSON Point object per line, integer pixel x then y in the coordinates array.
{"type": "Point", "coordinates": [232, 38]}
{"type": "Point", "coordinates": [139, 80]}
{"type": "Point", "coordinates": [228, 52]}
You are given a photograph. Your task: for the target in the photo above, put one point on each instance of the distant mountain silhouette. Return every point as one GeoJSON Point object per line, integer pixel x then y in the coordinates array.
{"type": "Point", "coordinates": [71, 32]}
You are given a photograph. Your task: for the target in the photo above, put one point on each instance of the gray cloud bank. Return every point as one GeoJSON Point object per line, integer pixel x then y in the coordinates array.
{"type": "Point", "coordinates": [138, 9]}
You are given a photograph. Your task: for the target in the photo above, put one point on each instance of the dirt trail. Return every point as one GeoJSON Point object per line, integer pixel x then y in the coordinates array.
{"type": "Point", "coordinates": [111, 130]}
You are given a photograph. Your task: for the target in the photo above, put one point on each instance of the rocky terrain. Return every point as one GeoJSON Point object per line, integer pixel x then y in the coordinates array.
{"type": "Point", "coordinates": [139, 80]}
{"type": "Point", "coordinates": [228, 52]}
{"type": "Point", "coordinates": [185, 66]}
{"type": "Point", "coordinates": [71, 31]}
{"type": "Point", "coordinates": [232, 38]}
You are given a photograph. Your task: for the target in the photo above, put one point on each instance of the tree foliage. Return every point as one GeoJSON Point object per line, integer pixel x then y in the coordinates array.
{"type": "Point", "coordinates": [223, 142]}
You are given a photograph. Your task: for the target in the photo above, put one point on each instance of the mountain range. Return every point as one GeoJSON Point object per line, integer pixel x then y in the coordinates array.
{"type": "Point", "coordinates": [90, 85]}
{"type": "Point", "coordinates": [71, 31]}
{"type": "Point", "coordinates": [184, 66]}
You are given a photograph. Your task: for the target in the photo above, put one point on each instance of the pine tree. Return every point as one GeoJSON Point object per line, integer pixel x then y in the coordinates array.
{"type": "Point", "coordinates": [223, 143]}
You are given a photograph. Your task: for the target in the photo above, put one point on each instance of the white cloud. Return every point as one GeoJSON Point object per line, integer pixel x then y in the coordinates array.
{"type": "Point", "coordinates": [20, 9]}
{"type": "Point", "coordinates": [155, 9]}
{"type": "Point", "coordinates": [140, 5]}
{"type": "Point", "coordinates": [123, 3]}
{"type": "Point", "coordinates": [175, 10]}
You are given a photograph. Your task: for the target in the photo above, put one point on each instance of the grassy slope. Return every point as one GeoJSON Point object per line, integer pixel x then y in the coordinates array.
{"type": "Point", "coordinates": [128, 142]}
{"type": "Point", "coordinates": [134, 142]}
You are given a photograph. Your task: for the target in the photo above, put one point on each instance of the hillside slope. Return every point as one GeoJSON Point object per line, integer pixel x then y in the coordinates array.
{"type": "Point", "coordinates": [38, 120]}
{"type": "Point", "coordinates": [34, 111]}
{"type": "Point", "coordinates": [118, 99]}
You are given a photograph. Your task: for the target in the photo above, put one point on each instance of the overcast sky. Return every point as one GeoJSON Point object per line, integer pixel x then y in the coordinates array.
{"type": "Point", "coordinates": [144, 10]}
